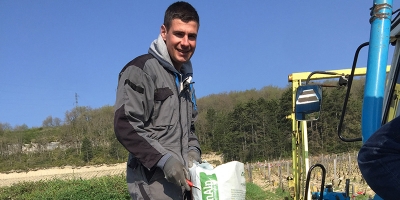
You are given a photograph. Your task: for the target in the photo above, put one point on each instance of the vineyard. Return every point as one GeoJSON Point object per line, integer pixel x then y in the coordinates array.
{"type": "Point", "coordinates": [269, 175]}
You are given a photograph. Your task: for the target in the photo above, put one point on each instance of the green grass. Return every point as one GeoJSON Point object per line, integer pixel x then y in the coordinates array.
{"type": "Point", "coordinates": [253, 192]}
{"type": "Point", "coordinates": [107, 187]}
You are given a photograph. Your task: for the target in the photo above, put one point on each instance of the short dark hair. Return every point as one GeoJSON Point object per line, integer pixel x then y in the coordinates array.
{"type": "Point", "coordinates": [180, 10]}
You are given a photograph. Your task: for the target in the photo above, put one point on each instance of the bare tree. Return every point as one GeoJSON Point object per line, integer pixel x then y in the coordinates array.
{"type": "Point", "coordinates": [48, 122]}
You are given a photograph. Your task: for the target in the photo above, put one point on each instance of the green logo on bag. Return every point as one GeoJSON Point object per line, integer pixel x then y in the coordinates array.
{"type": "Point", "coordinates": [209, 186]}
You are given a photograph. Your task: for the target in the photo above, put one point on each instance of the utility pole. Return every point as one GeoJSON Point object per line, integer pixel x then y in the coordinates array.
{"type": "Point", "coordinates": [76, 99]}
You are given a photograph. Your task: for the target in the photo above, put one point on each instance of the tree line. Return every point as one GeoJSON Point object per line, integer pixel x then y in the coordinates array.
{"type": "Point", "coordinates": [247, 126]}
{"type": "Point", "coordinates": [258, 128]}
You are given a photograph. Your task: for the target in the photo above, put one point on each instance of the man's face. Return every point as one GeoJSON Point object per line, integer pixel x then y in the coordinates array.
{"type": "Point", "coordinates": [180, 40]}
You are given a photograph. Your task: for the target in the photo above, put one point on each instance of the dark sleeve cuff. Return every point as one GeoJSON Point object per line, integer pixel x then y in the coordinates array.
{"type": "Point", "coordinates": [163, 160]}
{"type": "Point", "coordinates": [195, 149]}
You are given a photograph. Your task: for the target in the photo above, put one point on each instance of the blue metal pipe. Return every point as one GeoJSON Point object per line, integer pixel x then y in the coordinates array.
{"type": "Point", "coordinates": [381, 15]}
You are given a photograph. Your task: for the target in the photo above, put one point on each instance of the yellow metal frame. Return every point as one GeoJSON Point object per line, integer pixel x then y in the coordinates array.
{"type": "Point", "coordinates": [298, 135]}
{"type": "Point", "coordinates": [394, 103]}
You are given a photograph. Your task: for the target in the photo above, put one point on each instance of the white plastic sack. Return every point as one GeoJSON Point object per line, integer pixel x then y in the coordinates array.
{"type": "Point", "coordinates": [224, 182]}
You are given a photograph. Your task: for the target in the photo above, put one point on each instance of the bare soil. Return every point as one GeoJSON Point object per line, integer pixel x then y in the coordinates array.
{"type": "Point", "coordinates": [68, 172]}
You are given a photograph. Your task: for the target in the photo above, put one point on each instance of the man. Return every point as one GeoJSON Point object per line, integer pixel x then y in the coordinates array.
{"type": "Point", "coordinates": [155, 110]}
{"type": "Point", "coordinates": [379, 160]}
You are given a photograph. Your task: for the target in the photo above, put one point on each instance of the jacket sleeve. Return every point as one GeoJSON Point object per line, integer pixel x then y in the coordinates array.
{"type": "Point", "coordinates": [379, 160]}
{"type": "Point", "coordinates": [133, 108]}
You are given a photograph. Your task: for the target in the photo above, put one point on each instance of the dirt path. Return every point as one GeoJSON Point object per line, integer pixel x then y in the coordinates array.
{"type": "Point", "coordinates": [68, 172]}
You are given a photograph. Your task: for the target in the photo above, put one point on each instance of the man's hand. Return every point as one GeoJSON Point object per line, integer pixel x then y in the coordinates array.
{"type": "Point", "coordinates": [193, 155]}
{"type": "Point", "coordinates": [175, 172]}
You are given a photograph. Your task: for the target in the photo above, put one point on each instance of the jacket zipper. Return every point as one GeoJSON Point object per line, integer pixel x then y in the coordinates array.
{"type": "Point", "coordinates": [178, 84]}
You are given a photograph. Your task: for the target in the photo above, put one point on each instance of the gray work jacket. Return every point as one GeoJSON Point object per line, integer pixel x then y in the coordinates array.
{"type": "Point", "coordinates": [155, 109]}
